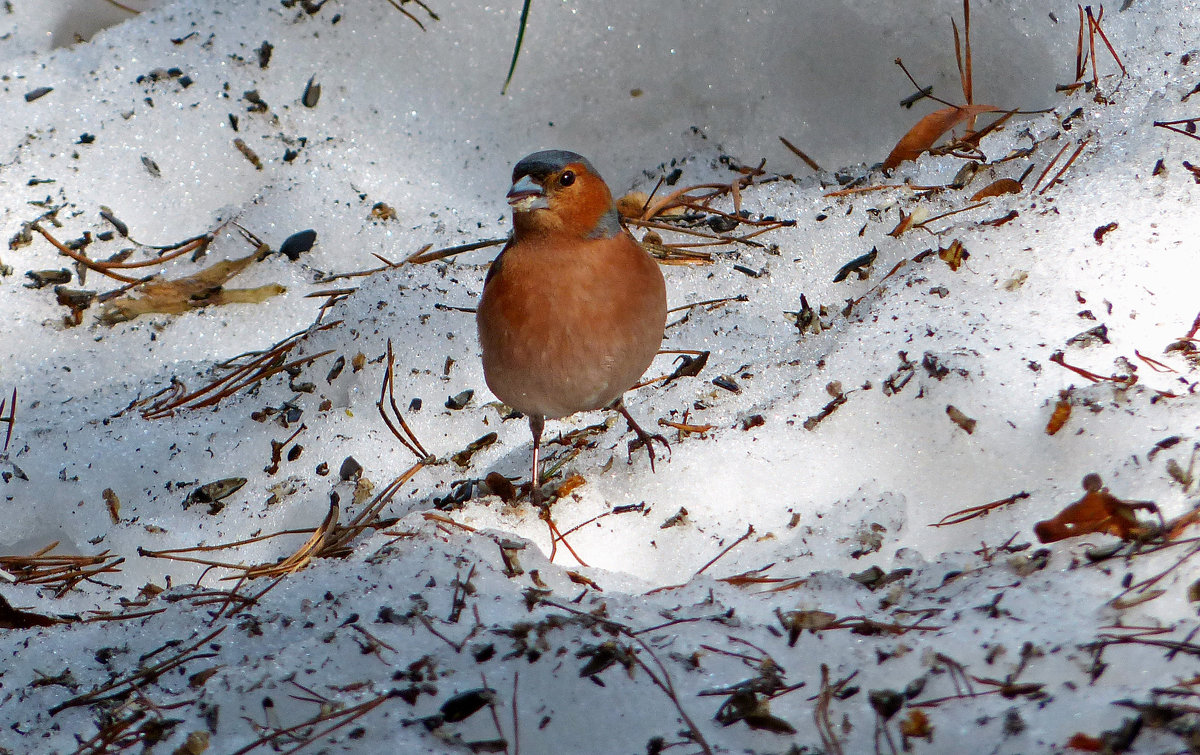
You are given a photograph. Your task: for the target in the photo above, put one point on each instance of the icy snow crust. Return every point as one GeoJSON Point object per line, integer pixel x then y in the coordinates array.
{"type": "Point", "coordinates": [415, 120]}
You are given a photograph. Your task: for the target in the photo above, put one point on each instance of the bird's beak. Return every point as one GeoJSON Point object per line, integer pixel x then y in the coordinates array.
{"type": "Point", "coordinates": [526, 195]}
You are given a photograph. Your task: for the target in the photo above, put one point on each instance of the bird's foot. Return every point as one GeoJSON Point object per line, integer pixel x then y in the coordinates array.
{"type": "Point", "coordinates": [644, 439]}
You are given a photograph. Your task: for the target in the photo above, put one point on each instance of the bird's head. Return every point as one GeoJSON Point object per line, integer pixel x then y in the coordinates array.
{"type": "Point", "coordinates": [559, 191]}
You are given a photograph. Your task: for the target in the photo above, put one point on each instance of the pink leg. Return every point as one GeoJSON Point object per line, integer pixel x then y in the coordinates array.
{"type": "Point", "coordinates": [536, 423]}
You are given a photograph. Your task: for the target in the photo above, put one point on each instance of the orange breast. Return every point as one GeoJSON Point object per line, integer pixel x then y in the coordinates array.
{"type": "Point", "coordinates": [568, 325]}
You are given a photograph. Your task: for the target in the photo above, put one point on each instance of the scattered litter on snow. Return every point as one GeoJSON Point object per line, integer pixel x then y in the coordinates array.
{"type": "Point", "coordinates": [282, 508]}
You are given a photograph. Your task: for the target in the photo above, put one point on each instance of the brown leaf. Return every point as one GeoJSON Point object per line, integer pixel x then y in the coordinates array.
{"type": "Point", "coordinates": [195, 744]}
{"type": "Point", "coordinates": [916, 725]}
{"type": "Point", "coordinates": [1102, 231]}
{"type": "Point", "coordinates": [114, 505]}
{"type": "Point", "coordinates": [1097, 511]}
{"type": "Point", "coordinates": [581, 579]}
{"type": "Point", "coordinates": [463, 457]}
{"type": "Point", "coordinates": [957, 417]}
{"type": "Point", "coordinates": [998, 187]}
{"type": "Point", "coordinates": [501, 486]}
{"type": "Point", "coordinates": [929, 129]}
{"type": "Point", "coordinates": [569, 484]}
{"type": "Point", "coordinates": [905, 223]}
{"type": "Point", "coordinates": [1085, 742]}
{"type": "Point", "coordinates": [954, 254]}
{"type": "Point", "coordinates": [1062, 412]}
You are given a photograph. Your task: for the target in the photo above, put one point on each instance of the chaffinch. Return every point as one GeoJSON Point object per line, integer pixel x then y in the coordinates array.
{"type": "Point", "coordinates": [572, 310]}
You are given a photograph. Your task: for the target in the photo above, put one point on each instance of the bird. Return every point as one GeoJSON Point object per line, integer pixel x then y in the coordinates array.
{"type": "Point", "coordinates": [573, 310]}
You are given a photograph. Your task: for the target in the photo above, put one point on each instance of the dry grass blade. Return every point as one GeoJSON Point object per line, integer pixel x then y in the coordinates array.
{"type": "Point", "coordinates": [305, 554]}
{"type": "Point", "coordinates": [686, 197]}
{"type": "Point", "coordinates": [418, 257]}
{"type": "Point", "coordinates": [1080, 51]}
{"type": "Point", "coordinates": [424, 256]}
{"type": "Point", "coordinates": [1049, 166]}
{"type": "Point", "coordinates": [1145, 584]}
{"type": "Point", "coordinates": [338, 541]}
{"type": "Point", "coordinates": [399, 5]}
{"type": "Point", "coordinates": [196, 244]}
{"type": "Point", "coordinates": [972, 139]}
{"type": "Point", "coordinates": [556, 537]}
{"type": "Point", "coordinates": [1094, 27]}
{"type": "Point", "coordinates": [731, 546]}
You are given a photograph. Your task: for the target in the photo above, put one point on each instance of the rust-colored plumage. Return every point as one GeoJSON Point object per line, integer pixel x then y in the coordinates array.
{"type": "Point", "coordinates": [573, 310]}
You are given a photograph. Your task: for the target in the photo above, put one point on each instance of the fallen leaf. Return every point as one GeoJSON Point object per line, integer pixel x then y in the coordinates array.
{"type": "Point", "coordinates": [905, 223]}
{"type": "Point", "coordinates": [195, 744]}
{"type": "Point", "coordinates": [1062, 412]}
{"type": "Point", "coordinates": [929, 129]}
{"type": "Point", "coordinates": [463, 457]}
{"type": "Point", "coordinates": [1097, 511]}
{"type": "Point", "coordinates": [916, 725]}
{"type": "Point", "coordinates": [581, 579]}
{"type": "Point", "coordinates": [998, 187]}
{"type": "Point", "coordinates": [1103, 230]}
{"type": "Point", "coordinates": [501, 486]}
{"type": "Point", "coordinates": [954, 254]}
{"type": "Point", "coordinates": [957, 417]}
{"type": "Point", "coordinates": [113, 503]}
{"type": "Point", "coordinates": [569, 484]}
{"type": "Point", "coordinates": [1085, 742]}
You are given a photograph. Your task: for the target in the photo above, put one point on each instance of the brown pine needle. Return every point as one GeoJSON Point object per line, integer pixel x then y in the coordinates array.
{"type": "Point", "coordinates": [10, 420]}
{"type": "Point", "coordinates": [972, 512]}
{"type": "Point", "coordinates": [1049, 166]}
{"type": "Point", "coordinates": [801, 154]}
{"type": "Point", "coordinates": [387, 391]}
{"type": "Point", "coordinates": [731, 546]}
{"type": "Point", "coordinates": [968, 78]}
{"type": "Point", "coordinates": [1066, 165]}
{"type": "Point", "coordinates": [85, 261]}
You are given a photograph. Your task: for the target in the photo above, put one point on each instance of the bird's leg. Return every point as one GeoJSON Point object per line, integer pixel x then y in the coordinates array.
{"type": "Point", "coordinates": [645, 438]}
{"type": "Point", "coordinates": [536, 423]}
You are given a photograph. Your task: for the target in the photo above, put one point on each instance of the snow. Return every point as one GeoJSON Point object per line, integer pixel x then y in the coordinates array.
{"type": "Point", "coordinates": [415, 120]}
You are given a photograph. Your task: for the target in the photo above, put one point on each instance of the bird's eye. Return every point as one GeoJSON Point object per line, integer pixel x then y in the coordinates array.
{"type": "Point", "coordinates": [566, 179]}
